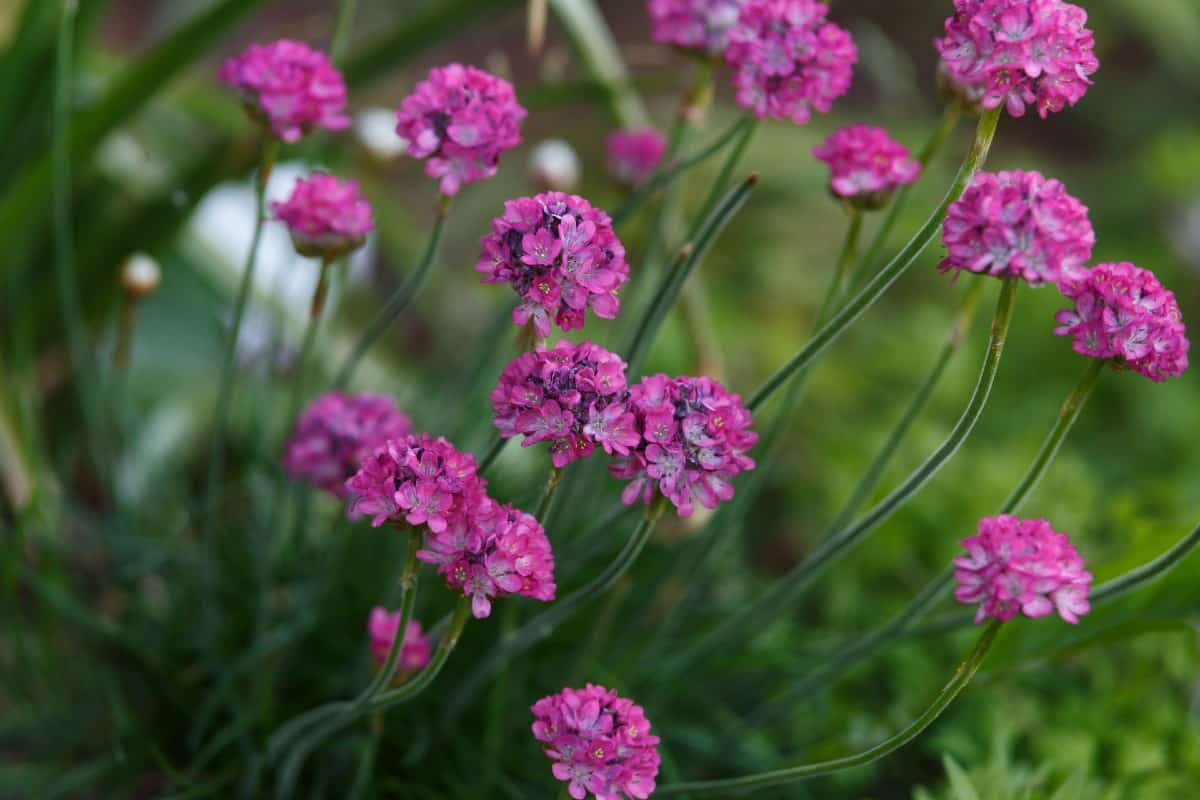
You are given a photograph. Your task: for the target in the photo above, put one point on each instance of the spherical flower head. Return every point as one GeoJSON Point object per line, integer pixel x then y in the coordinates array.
{"type": "Point", "coordinates": [1018, 52]}
{"type": "Point", "coordinates": [788, 60]}
{"type": "Point", "coordinates": [1021, 565]}
{"type": "Point", "coordinates": [600, 743]}
{"type": "Point", "coordinates": [561, 257]}
{"type": "Point", "coordinates": [1124, 315]}
{"type": "Point", "coordinates": [414, 648]}
{"type": "Point", "coordinates": [461, 119]}
{"type": "Point", "coordinates": [694, 440]}
{"type": "Point", "coordinates": [697, 25]}
{"type": "Point", "coordinates": [417, 480]}
{"type": "Point", "coordinates": [326, 217]}
{"type": "Point", "coordinates": [573, 396]}
{"type": "Point", "coordinates": [1017, 224]}
{"type": "Point", "coordinates": [633, 155]}
{"type": "Point", "coordinates": [290, 87]}
{"type": "Point", "coordinates": [336, 432]}
{"type": "Point", "coordinates": [493, 551]}
{"type": "Point", "coordinates": [866, 165]}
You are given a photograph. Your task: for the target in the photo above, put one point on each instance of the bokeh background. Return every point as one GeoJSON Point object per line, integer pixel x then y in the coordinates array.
{"type": "Point", "coordinates": [140, 661]}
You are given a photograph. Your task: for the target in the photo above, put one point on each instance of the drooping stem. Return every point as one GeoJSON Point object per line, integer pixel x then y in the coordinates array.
{"type": "Point", "coordinates": [408, 600]}
{"type": "Point", "coordinates": [229, 361]}
{"type": "Point", "coordinates": [422, 680]}
{"type": "Point", "coordinates": [962, 676]}
{"type": "Point", "coordinates": [544, 624]}
{"type": "Point", "coordinates": [786, 590]}
{"type": "Point", "coordinates": [946, 126]}
{"type": "Point", "coordinates": [927, 599]}
{"type": "Point", "coordinates": [400, 298]}
{"type": "Point", "coordinates": [859, 304]}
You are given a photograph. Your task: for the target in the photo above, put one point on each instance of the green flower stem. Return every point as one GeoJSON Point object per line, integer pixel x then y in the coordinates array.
{"type": "Point", "coordinates": [229, 361]}
{"type": "Point", "coordinates": [962, 676]}
{"type": "Point", "coordinates": [686, 260]}
{"type": "Point", "coordinates": [548, 494]}
{"type": "Point", "coordinates": [343, 26]}
{"type": "Point", "coordinates": [849, 248]}
{"type": "Point", "coordinates": [408, 599]}
{"type": "Point", "coordinates": [923, 603]}
{"type": "Point", "coordinates": [422, 680]}
{"type": "Point", "coordinates": [399, 299]}
{"type": "Point", "coordinates": [785, 591]}
{"type": "Point", "coordinates": [949, 122]}
{"type": "Point", "coordinates": [544, 624]}
{"type": "Point", "coordinates": [492, 454]}
{"type": "Point", "coordinates": [858, 305]}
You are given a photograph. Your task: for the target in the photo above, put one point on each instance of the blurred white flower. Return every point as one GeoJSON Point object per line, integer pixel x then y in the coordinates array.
{"type": "Point", "coordinates": [554, 166]}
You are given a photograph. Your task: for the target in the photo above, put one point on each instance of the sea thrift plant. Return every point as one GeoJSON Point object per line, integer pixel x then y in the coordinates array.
{"type": "Point", "coordinates": [1124, 315]}
{"type": "Point", "coordinates": [1021, 565]}
{"type": "Point", "coordinates": [491, 552]}
{"type": "Point", "coordinates": [289, 87]}
{"type": "Point", "coordinates": [1017, 224]}
{"type": "Point", "coordinates": [599, 741]}
{"type": "Point", "coordinates": [326, 217]}
{"type": "Point", "coordinates": [382, 627]}
{"type": "Point", "coordinates": [694, 439]}
{"type": "Point", "coordinates": [1020, 52]}
{"type": "Point", "coordinates": [561, 257]}
{"type": "Point", "coordinates": [788, 60]}
{"type": "Point", "coordinates": [866, 165]}
{"type": "Point", "coordinates": [417, 480]}
{"type": "Point", "coordinates": [633, 155]}
{"type": "Point", "coordinates": [336, 432]}
{"type": "Point", "coordinates": [573, 396]}
{"type": "Point", "coordinates": [699, 25]}
{"type": "Point", "coordinates": [461, 119]}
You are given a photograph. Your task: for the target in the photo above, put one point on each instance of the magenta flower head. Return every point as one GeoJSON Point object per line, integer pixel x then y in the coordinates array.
{"type": "Point", "coordinates": [417, 480]}
{"type": "Point", "coordinates": [1021, 565]}
{"type": "Point", "coordinates": [866, 165]}
{"type": "Point", "coordinates": [1017, 52]}
{"type": "Point", "coordinates": [694, 440]}
{"type": "Point", "coordinates": [1017, 224]}
{"type": "Point", "coordinates": [788, 60]}
{"type": "Point", "coordinates": [289, 87]}
{"type": "Point", "coordinates": [491, 552]}
{"type": "Point", "coordinates": [461, 119]}
{"type": "Point", "coordinates": [326, 217]}
{"type": "Point", "coordinates": [633, 155]}
{"type": "Point", "coordinates": [336, 432]}
{"type": "Point", "coordinates": [573, 396]}
{"type": "Point", "coordinates": [1124, 315]}
{"type": "Point", "coordinates": [599, 741]}
{"type": "Point", "coordinates": [382, 627]}
{"type": "Point", "coordinates": [698, 25]}
{"type": "Point", "coordinates": [560, 255]}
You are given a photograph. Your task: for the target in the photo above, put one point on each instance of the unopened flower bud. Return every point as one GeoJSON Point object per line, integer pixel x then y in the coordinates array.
{"type": "Point", "coordinates": [140, 276]}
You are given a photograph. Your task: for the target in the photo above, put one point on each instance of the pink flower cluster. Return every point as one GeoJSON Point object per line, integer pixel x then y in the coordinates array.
{"type": "Point", "coordinates": [572, 396]}
{"type": "Point", "coordinates": [326, 217]}
{"type": "Point", "coordinates": [1021, 565]}
{"type": "Point", "coordinates": [461, 119]}
{"type": "Point", "coordinates": [560, 255]}
{"type": "Point", "coordinates": [382, 627]}
{"type": "Point", "coordinates": [1122, 313]}
{"type": "Point", "coordinates": [600, 743]}
{"type": "Point", "coordinates": [290, 87]}
{"type": "Point", "coordinates": [701, 25]}
{"type": "Point", "coordinates": [694, 439]}
{"type": "Point", "coordinates": [1017, 224]}
{"type": "Point", "coordinates": [866, 164]}
{"type": "Point", "coordinates": [493, 551]}
{"type": "Point", "coordinates": [1020, 52]}
{"type": "Point", "coordinates": [788, 60]}
{"type": "Point", "coordinates": [417, 479]}
{"type": "Point", "coordinates": [336, 432]}
{"type": "Point", "coordinates": [633, 155]}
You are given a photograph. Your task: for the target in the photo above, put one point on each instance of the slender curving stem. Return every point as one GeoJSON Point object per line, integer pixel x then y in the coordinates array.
{"type": "Point", "coordinates": [781, 594]}
{"type": "Point", "coordinates": [400, 299]}
{"type": "Point", "coordinates": [544, 624]}
{"type": "Point", "coordinates": [962, 676]}
{"type": "Point", "coordinates": [859, 304]}
{"type": "Point", "coordinates": [492, 454]}
{"type": "Point", "coordinates": [408, 600]}
{"type": "Point", "coordinates": [229, 360]}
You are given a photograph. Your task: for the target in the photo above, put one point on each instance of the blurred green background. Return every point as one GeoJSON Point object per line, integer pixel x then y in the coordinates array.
{"type": "Point", "coordinates": [140, 661]}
